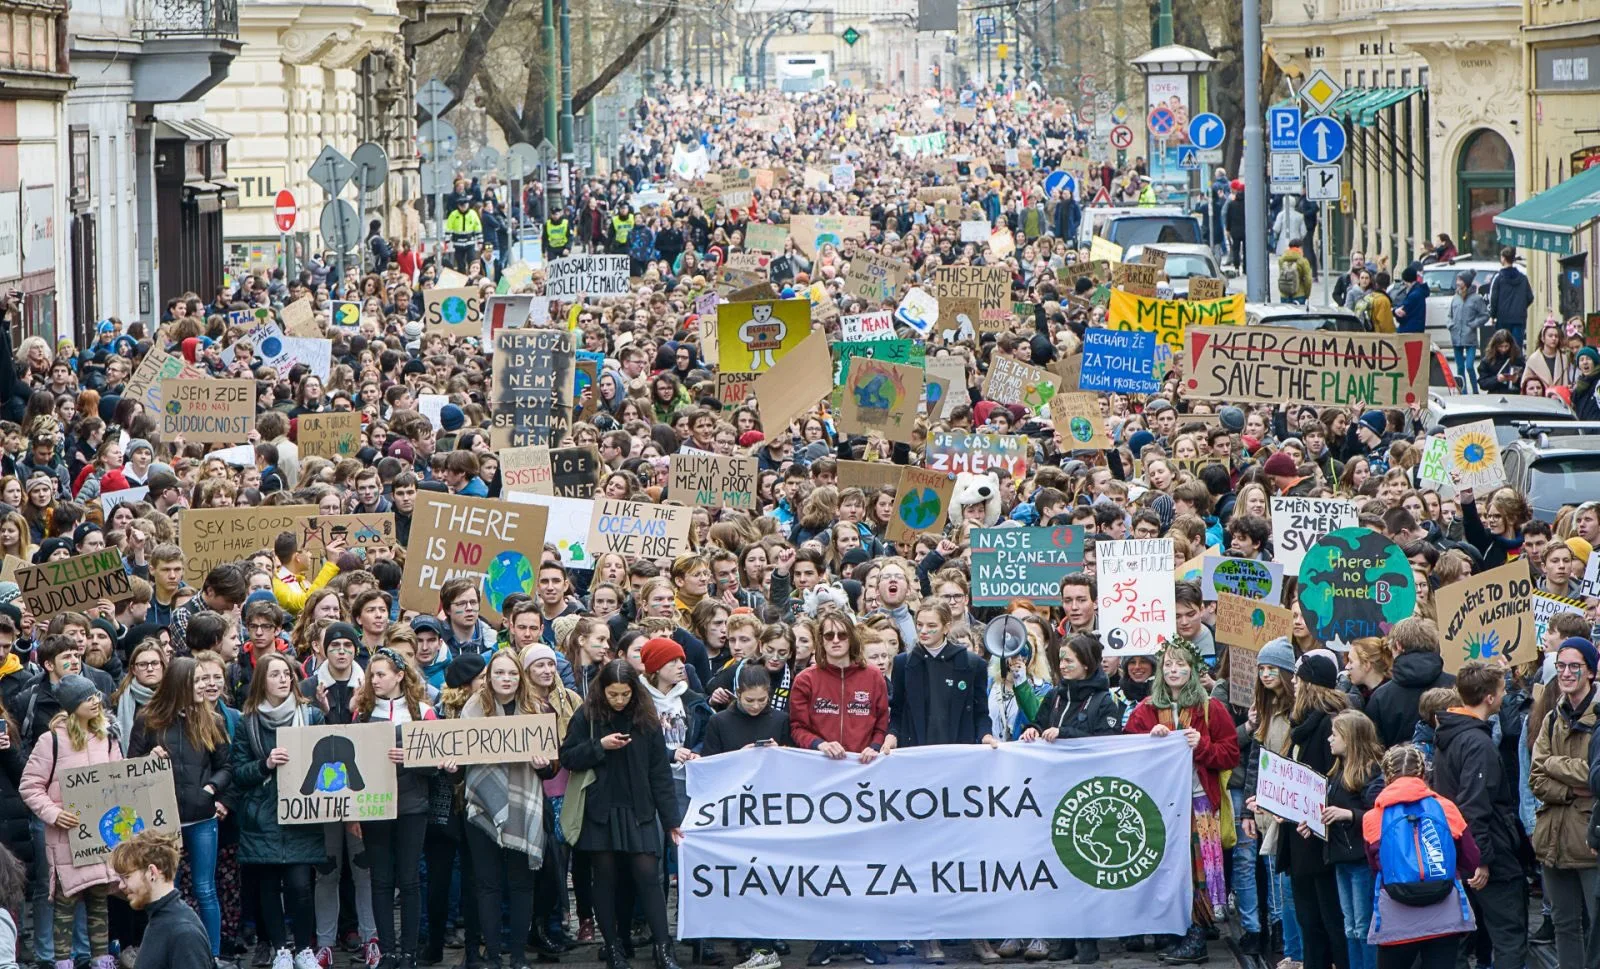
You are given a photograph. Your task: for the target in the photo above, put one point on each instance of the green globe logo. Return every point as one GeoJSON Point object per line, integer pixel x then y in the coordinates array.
{"type": "Point", "coordinates": [1109, 833]}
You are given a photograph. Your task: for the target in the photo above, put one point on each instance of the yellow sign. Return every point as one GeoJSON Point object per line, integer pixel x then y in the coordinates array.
{"type": "Point", "coordinates": [1003, 51]}
{"type": "Point", "coordinates": [751, 337]}
{"type": "Point", "coordinates": [1168, 318]}
{"type": "Point", "coordinates": [259, 186]}
{"type": "Point", "coordinates": [1104, 249]}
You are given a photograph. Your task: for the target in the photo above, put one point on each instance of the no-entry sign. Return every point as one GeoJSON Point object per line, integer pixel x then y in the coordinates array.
{"type": "Point", "coordinates": [284, 210]}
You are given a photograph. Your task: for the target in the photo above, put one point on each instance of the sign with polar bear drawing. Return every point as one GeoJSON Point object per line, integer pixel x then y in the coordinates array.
{"type": "Point", "coordinates": [751, 337]}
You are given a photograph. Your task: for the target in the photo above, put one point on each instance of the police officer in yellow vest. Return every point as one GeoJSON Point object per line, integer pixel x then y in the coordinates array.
{"type": "Point", "coordinates": [557, 234]}
{"type": "Point", "coordinates": [465, 230]}
{"type": "Point", "coordinates": [621, 228]}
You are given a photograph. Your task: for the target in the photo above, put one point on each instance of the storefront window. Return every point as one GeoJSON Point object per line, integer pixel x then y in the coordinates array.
{"type": "Point", "coordinates": [1486, 181]}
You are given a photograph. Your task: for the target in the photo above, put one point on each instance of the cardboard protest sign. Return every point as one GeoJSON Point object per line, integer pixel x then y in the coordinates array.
{"type": "Point", "coordinates": [74, 584]}
{"type": "Point", "coordinates": [480, 740]}
{"type": "Point", "coordinates": [638, 529]}
{"type": "Point", "coordinates": [764, 237]}
{"type": "Point", "coordinates": [10, 564]}
{"type": "Point", "coordinates": [1023, 563]}
{"type": "Point", "coordinates": [1136, 590]}
{"type": "Point", "coordinates": [158, 365]}
{"type": "Point", "coordinates": [1475, 456]}
{"type": "Point", "coordinates": [800, 379]}
{"type": "Point", "coordinates": [115, 801]}
{"type": "Point", "coordinates": [881, 397]}
{"type": "Point", "coordinates": [920, 504]}
{"type": "Point", "coordinates": [812, 232]}
{"type": "Point", "coordinates": [714, 480]}
{"type": "Point", "coordinates": [1326, 368]}
{"type": "Point", "coordinates": [1136, 278]}
{"type": "Point", "coordinates": [955, 452]}
{"type": "Point", "coordinates": [1246, 578]}
{"type": "Point", "coordinates": [337, 773]}
{"type": "Point", "coordinates": [1077, 418]}
{"type": "Point", "coordinates": [1207, 287]}
{"type": "Point", "coordinates": [987, 285]}
{"type": "Point", "coordinates": [1487, 616]}
{"type": "Point", "coordinates": [1118, 361]}
{"type": "Point", "coordinates": [364, 535]}
{"type": "Point", "coordinates": [752, 337]}
{"type": "Point", "coordinates": [1292, 791]}
{"type": "Point", "coordinates": [215, 536]}
{"type": "Point", "coordinates": [1169, 318]}
{"type": "Point", "coordinates": [878, 325]}
{"type": "Point", "coordinates": [496, 543]}
{"type": "Point", "coordinates": [895, 350]}
{"type": "Point", "coordinates": [209, 411]}
{"type": "Point", "coordinates": [1297, 523]}
{"type": "Point", "coordinates": [575, 471]}
{"type": "Point", "coordinates": [1354, 582]}
{"type": "Point", "coordinates": [567, 527]}
{"type": "Point", "coordinates": [1241, 676]}
{"type": "Point", "coordinates": [534, 374]}
{"type": "Point", "coordinates": [526, 469]}
{"type": "Point", "coordinates": [972, 230]}
{"type": "Point", "coordinates": [514, 310]}
{"type": "Point", "coordinates": [586, 275]}
{"type": "Point", "coordinates": [451, 279]}
{"type": "Point", "coordinates": [869, 474]}
{"type": "Point", "coordinates": [875, 277]}
{"type": "Point", "coordinates": [299, 319]}
{"type": "Point", "coordinates": [953, 370]}
{"type": "Point", "coordinates": [454, 312]}
{"type": "Point", "coordinates": [1250, 623]}
{"type": "Point", "coordinates": [1543, 607]}
{"type": "Point", "coordinates": [1011, 381]}
{"type": "Point", "coordinates": [335, 434]}
{"type": "Point", "coordinates": [1154, 258]}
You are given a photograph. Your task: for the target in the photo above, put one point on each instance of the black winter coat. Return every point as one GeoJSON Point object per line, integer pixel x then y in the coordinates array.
{"type": "Point", "coordinates": [1467, 769]}
{"type": "Point", "coordinates": [262, 840]}
{"type": "Point", "coordinates": [174, 938]}
{"type": "Point", "coordinates": [1309, 746]}
{"type": "Point", "coordinates": [733, 729]}
{"type": "Point", "coordinates": [14, 815]}
{"type": "Point", "coordinates": [967, 712]}
{"type": "Point", "coordinates": [1080, 708]}
{"type": "Point", "coordinates": [1393, 706]}
{"type": "Point", "coordinates": [649, 775]}
{"type": "Point", "coordinates": [192, 768]}
{"type": "Point", "coordinates": [1346, 845]}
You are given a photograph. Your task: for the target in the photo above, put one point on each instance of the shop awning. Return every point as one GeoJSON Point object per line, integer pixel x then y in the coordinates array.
{"type": "Point", "coordinates": [1360, 106]}
{"type": "Point", "coordinates": [1548, 221]}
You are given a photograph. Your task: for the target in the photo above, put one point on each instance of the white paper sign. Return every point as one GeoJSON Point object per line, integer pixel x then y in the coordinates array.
{"type": "Point", "coordinates": [1475, 456]}
{"type": "Point", "coordinates": [585, 275]}
{"type": "Point", "coordinates": [568, 525]}
{"type": "Point", "coordinates": [1135, 581]}
{"type": "Point", "coordinates": [1292, 791]}
{"type": "Point", "coordinates": [867, 326]}
{"type": "Point", "coordinates": [1298, 522]}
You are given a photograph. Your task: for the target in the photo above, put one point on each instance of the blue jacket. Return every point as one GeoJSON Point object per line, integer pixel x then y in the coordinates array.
{"type": "Point", "coordinates": [1415, 305]}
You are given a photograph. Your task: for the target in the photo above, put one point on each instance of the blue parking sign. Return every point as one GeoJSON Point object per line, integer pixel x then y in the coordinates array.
{"type": "Point", "coordinates": [1283, 128]}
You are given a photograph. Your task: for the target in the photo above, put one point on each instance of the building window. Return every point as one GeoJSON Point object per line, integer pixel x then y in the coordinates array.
{"type": "Point", "coordinates": [1405, 77]}
{"type": "Point", "coordinates": [79, 162]}
{"type": "Point", "coordinates": [1361, 78]}
{"type": "Point", "coordinates": [1486, 179]}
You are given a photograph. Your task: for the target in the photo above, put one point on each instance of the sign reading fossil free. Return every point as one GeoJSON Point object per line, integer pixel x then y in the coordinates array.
{"type": "Point", "coordinates": [941, 841]}
{"type": "Point", "coordinates": [115, 801]}
{"type": "Point", "coordinates": [337, 773]}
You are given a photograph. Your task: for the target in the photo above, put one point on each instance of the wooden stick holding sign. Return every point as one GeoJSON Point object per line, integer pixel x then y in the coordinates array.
{"type": "Point", "coordinates": [480, 740]}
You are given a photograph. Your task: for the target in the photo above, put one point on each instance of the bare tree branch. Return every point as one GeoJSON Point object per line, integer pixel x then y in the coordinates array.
{"type": "Point", "coordinates": [582, 97]}
{"type": "Point", "coordinates": [475, 49]}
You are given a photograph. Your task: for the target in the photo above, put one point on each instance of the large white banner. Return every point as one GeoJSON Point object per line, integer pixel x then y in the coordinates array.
{"type": "Point", "coordinates": [1083, 838]}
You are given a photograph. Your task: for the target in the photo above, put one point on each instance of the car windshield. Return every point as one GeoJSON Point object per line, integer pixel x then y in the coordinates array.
{"type": "Point", "coordinates": [1312, 321]}
{"type": "Point", "coordinates": [1554, 482]}
{"type": "Point", "coordinates": [1182, 266]}
{"type": "Point", "coordinates": [1150, 232]}
{"type": "Point", "coordinates": [1441, 282]}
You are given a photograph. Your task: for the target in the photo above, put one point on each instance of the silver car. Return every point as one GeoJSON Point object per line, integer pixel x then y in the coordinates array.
{"type": "Point", "coordinates": [1183, 261]}
{"type": "Point", "coordinates": [1441, 281]}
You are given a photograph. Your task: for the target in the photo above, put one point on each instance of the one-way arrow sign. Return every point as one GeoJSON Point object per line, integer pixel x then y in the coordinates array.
{"type": "Point", "coordinates": [1322, 183]}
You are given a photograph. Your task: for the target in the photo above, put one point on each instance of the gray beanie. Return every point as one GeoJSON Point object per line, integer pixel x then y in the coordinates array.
{"type": "Point", "coordinates": [73, 690]}
{"type": "Point", "coordinates": [1279, 653]}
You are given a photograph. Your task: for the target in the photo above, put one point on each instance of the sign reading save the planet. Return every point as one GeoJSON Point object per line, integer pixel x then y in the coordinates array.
{"type": "Point", "coordinates": [115, 801]}
{"type": "Point", "coordinates": [1354, 582]}
{"type": "Point", "coordinates": [920, 504]}
{"type": "Point", "coordinates": [337, 773]}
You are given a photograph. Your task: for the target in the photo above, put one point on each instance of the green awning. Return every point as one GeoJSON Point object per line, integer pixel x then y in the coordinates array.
{"type": "Point", "coordinates": [1340, 108]}
{"type": "Point", "coordinates": [1383, 98]}
{"type": "Point", "coordinates": [1548, 221]}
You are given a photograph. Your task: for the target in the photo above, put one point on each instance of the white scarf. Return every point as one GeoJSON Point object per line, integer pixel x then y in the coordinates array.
{"type": "Point", "coordinates": [289, 712]}
{"type": "Point", "coordinates": [669, 707]}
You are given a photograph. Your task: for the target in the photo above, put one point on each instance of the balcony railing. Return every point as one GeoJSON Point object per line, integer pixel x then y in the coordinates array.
{"type": "Point", "coordinates": [187, 18]}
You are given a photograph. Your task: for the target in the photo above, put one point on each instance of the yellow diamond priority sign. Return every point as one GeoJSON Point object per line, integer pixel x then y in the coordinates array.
{"type": "Point", "coordinates": [1320, 90]}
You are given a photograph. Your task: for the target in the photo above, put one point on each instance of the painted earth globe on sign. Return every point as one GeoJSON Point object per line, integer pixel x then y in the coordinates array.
{"type": "Point", "coordinates": [510, 572]}
{"type": "Point", "coordinates": [119, 824]}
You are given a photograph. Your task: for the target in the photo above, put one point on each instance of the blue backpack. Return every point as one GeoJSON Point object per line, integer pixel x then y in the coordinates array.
{"type": "Point", "coordinates": [1416, 853]}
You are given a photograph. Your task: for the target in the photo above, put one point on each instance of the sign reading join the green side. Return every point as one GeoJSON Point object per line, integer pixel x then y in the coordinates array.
{"type": "Point", "coordinates": [1023, 563]}
{"type": "Point", "coordinates": [851, 35]}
